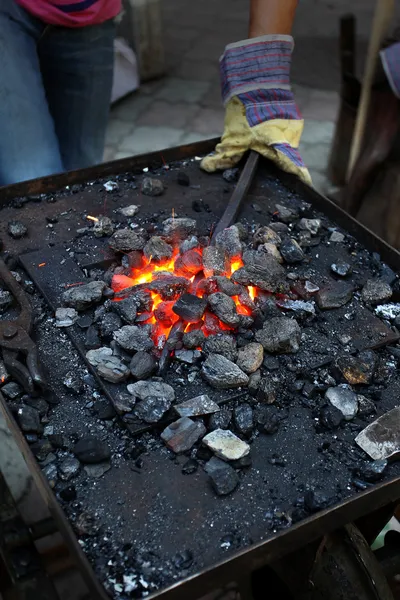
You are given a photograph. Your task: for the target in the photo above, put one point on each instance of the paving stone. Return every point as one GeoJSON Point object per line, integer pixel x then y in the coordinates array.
{"type": "Point", "coordinates": [161, 114]}
{"type": "Point", "coordinates": [149, 139]}
{"type": "Point", "coordinates": [183, 90]}
{"type": "Point", "coordinates": [208, 120]}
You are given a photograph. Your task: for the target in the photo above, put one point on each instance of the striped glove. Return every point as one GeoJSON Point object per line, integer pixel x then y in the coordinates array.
{"type": "Point", "coordinates": [261, 113]}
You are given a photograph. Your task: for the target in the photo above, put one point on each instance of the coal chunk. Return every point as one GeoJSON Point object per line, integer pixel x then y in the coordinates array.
{"type": "Point", "coordinates": [250, 357]}
{"type": "Point", "coordinates": [291, 251]}
{"type": "Point", "coordinates": [226, 286]}
{"type": "Point", "coordinates": [182, 435]}
{"type": "Point", "coordinates": [132, 337]}
{"type": "Point", "coordinates": [334, 295]}
{"type": "Point", "coordinates": [310, 225]}
{"type": "Point", "coordinates": [231, 175]}
{"type": "Point", "coordinates": [190, 467]}
{"type": "Point", "coordinates": [224, 307]}
{"type": "Point", "coordinates": [152, 409]}
{"type": "Point", "coordinates": [267, 419]}
{"type": "Point", "coordinates": [373, 471]}
{"type": "Point", "coordinates": [344, 399]}
{"type": "Point", "coordinates": [190, 308]}
{"type": "Point", "coordinates": [215, 261]}
{"type": "Point", "coordinates": [113, 370]}
{"type": "Point", "coordinates": [6, 299]}
{"type": "Point", "coordinates": [126, 240]}
{"type": "Point", "coordinates": [224, 478]}
{"type": "Point", "coordinates": [285, 214]}
{"type": "Point", "coordinates": [68, 494]}
{"type": "Point", "coordinates": [315, 501]}
{"type": "Point", "coordinates": [81, 297]}
{"type": "Point", "coordinates": [190, 357]}
{"type": "Point", "coordinates": [65, 317]}
{"type": "Point", "coordinates": [196, 407]}
{"type": "Point", "coordinates": [266, 235]}
{"type": "Point", "coordinates": [126, 309]}
{"type": "Point", "coordinates": [341, 268]}
{"type": "Point", "coordinates": [169, 287]}
{"type": "Point", "coordinates": [228, 240]}
{"type": "Point", "coordinates": [263, 272]}
{"type": "Point", "coordinates": [193, 339]}
{"type": "Point", "coordinates": [175, 229]}
{"type": "Point", "coordinates": [11, 390]}
{"type": "Point", "coordinates": [220, 420]}
{"type": "Point", "coordinates": [29, 419]}
{"type": "Point", "coordinates": [17, 230]}
{"type": "Point", "coordinates": [376, 291]}
{"type": "Point", "coordinates": [68, 468]}
{"type": "Point", "coordinates": [103, 227]}
{"type": "Point", "coordinates": [157, 389]}
{"type": "Point", "coordinates": [110, 322]}
{"type": "Point", "coordinates": [280, 335]}
{"type": "Point", "coordinates": [183, 179]}
{"type": "Point", "coordinates": [92, 338]}
{"type": "Point", "coordinates": [221, 373]}
{"type": "Point", "coordinates": [358, 369]}
{"type": "Point", "coordinates": [152, 187]}
{"type": "Point", "coordinates": [142, 365]}
{"type": "Point", "coordinates": [157, 250]}
{"type": "Point", "coordinates": [243, 419]}
{"type": "Point", "coordinates": [91, 450]}
{"type": "Point", "coordinates": [331, 417]}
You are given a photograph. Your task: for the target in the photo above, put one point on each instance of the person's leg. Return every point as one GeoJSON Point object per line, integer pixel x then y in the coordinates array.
{"type": "Point", "coordinates": [77, 69]}
{"type": "Point", "coordinates": [28, 143]}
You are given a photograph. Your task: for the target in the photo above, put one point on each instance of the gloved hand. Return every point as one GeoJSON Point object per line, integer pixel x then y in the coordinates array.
{"type": "Point", "coordinates": [261, 113]}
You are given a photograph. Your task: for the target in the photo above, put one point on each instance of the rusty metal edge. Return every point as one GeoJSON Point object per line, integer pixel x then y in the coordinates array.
{"type": "Point", "coordinates": [82, 564]}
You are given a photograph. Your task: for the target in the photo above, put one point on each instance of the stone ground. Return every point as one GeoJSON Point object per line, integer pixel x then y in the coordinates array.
{"type": "Point", "coordinates": [185, 105]}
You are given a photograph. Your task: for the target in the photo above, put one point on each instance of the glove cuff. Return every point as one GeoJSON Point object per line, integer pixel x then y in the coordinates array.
{"type": "Point", "coordinates": [254, 64]}
{"type": "Point", "coordinates": [391, 64]}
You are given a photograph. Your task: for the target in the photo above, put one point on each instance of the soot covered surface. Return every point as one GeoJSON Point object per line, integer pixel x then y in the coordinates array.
{"type": "Point", "coordinates": [143, 523]}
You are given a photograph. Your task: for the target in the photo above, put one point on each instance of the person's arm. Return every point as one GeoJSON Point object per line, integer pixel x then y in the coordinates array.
{"type": "Point", "coordinates": [269, 17]}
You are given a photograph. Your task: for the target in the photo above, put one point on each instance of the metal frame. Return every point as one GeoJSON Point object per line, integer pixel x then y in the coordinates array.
{"type": "Point", "coordinates": [286, 541]}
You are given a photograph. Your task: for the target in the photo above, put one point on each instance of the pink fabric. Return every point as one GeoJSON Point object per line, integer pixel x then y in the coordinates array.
{"type": "Point", "coordinates": [72, 13]}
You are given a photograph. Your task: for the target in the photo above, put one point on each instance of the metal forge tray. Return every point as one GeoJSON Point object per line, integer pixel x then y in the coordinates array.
{"type": "Point", "coordinates": [270, 186]}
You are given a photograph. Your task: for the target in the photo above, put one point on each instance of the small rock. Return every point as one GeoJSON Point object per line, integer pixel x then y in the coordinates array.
{"type": "Point", "coordinates": [17, 230]}
{"type": "Point", "coordinates": [223, 344]}
{"type": "Point", "coordinates": [196, 407]}
{"type": "Point", "coordinates": [152, 409]}
{"type": "Point", "coordinates": [65, 317]}
{"type": "Point", "coordinates": [98, 356]}
{"type": "Point", "coordinates": [110, 322]}
{"type": "Point", "coordinates": [226, 445]}
{"type": "Point", "coordinates": [29, 419]}
{"type": "Point", "coordinates": [344, 399]}
{"type": "Point", "coordinates": [229, 241]}
{"type": "Point", "coordinates": [250, 357]}
{"type": "Point", "coordinates": [220, 420]}
{"type": "Point", "coordinates": [183, 434]}
{"type": "Point", "coordinates": [254, 382]}
{"type": "Point", "coordinates": [152, 187]}
{"type": "Point", "coordinates": [156, 389]}
{"type": "Point", "coordinates": [178, 228]}
{"type": "Point", "coordinates": [190, 467]}
{"type": "Point", "coordinates": [6, 299]}
{"type": "Point", "coordinates": [183, 179]}
{"type": "Point", "coordinates": [126, 240]}
{"type": "Point", "coordinates": [98, 470]}
{"type": "Point", "coordinates": [11, 390]}
{"type": "Point", "coordinates": [280, 334]}
{"type": "Point", "coordinates": [73, 382]}
{"type": "Point", "coordinates": [50, 472]}
{"type": "Point", "coordinates": [336, 237]}
{"type": "Point", "coordinates": [334, 295]}
{"type": "Point", "coordinates": [272, 250]}
{"type": "Point", "coordinates": [224, 478]}
{"type": "Point", "coordinates": [366, 407]}
{"type": "Point", "coordinates": [42, 449]}
{"type": "Point", "coordinates": [224, 308]}
{"type": "Point", "coordinates": [183, 560]}
{"type": "Point", "coordinates": [110, 186]}
{"type": "Point", "coordinates": [142, 365]}
{"type": "Point", "coordinates": [284, 214]}
{"type": "Point", "coordinates": [68, 468]}
{"type": "Point", "coordinates": [311, 225]}
{"type": "Point", "coordinates": [81, 297]}
{"type": "Point", "coordinates": [157, 250]}
{"type": "Point", "coordinates": [215, 261]}
{"type": "Point", "coordinates": [105, 411]}
{"type": "Point", "coordinates": [267, 419]}
{"type": "Point", "coordinates": [376, 291]}
{"type": "Point", "coordinates": [190, 308]}
{"type": "Point", "coordinates": [189, 244]}
{"type": "Point", "coordinates": [231, 175]}
{"type": "Point", "coordinates": [193, 339]}
{"type": "Point", "coordinates": [358, 370]}
{"type": "Point", "coordinates": [291, 251]}
{"type": "Point", "coordinates": [243, 419]}
{"type": "Point", "coordinates": [103, 227]}
{"type": "Point", "coordinates": [92, 339]}
{"type": "Point", "coordinates": [331, 417]}
{"type": "Point", "coordinates": [113, 370]}
{"type": "Point", "coordinates": [341, 268]}
{"type": "Point", "coordinates": [132, 337]}
{"type": "Point", "coordinates": [129, 211]}
{"type": "Point", "coordinates": [314, 501]}
{"type": "Point", "coordinates": [84, 322]}
{"type": "Point", "coordinates": [91, 450]}
{"type": "Point", "coordinates": [190, 357]}
{"type": "Point", "coordinates": [266, 235]}
{"type": "Point", "coordinates": [373, 471]}
{"type": "Point", "coordinates": [126, 309]}
{"type": "Point", "coordinates": [226, 286]}
{"type": "Point", "coordinates": [263, 271]}
{"type": "Point", "coordinates": [221, 373]}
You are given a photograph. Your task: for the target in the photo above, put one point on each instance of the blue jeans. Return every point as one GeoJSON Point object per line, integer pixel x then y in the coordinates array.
{"type": "Point", "coordinates": [55, 90]}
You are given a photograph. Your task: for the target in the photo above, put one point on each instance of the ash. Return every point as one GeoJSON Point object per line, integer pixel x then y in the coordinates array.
{"type": "Point", "coordinates": [265, 367]}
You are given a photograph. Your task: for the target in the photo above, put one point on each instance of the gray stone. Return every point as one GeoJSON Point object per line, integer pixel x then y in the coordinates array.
{"type": "Point", "coordinates": [182, 435]}
{"type": "Point", "coordinates": [280, 335]}
{"type": "Point", "coordinates": [190, 308]}
{"type": "Point", "coordinates": [132, 337]}
{"type": "Point", "coordinates": [189, 244]}
{"type": "Point", "coordinates": [65, 317]}
{"type": "Point", "coordinates": [194, 339]}
{"type": "Point", "coordinates": [91, 450]}
{"type": "Point", "coordinates": [98, 356]}
{"type": "Point", "coordinates": [376, 291]}
{"type": "Point", "coordinates": [381, 438]}
{"type": "Point", "coordinates": [334, 295]}
{"type": "Point", "coordinates": [126, 240]}
{"type": "Point", "coordinates": [126, 309]}
{"type": "Point", "coordinates": [215, 261]}
{"type": "Point", "coordinates": [103, 227]}
{"type": "Point", "coordinates": [129, 211]}
{"type": "Point", "coordinates": [291, 251]}
{"type": "Point", "coordinates": [109, 323]}
{"type": "Point", "coordinates": [50, 472]}
{"type": "Point", "coordinates": [336, 237]}
{"type": "Point", "coordinates": [178, 228]}
{"type": "Point", "coordinates": [243, 418]}
{"type": "Point", "coordinates": [221, 343]}
{"type": "Point", "coordinates": [250, 357]}
{"type": "Point", "coordinates": [220, 420]}
{"type": "Point", "coordinates": [6, 299]}
{"type": "Point", "coordinates": [81, 297]}
{"type": "Point", "coordinates": [11, 390]}
{"type": "Point", "coordinates": [196, 407]}
{"type": "Point", "coordinates": [229, 241]}
{"type": "Point", "coordinates": [224, 307]}
{"type": "Point", "coordinates": [223, 374]}
{"type": "Point", "coordinates": [113, 370]}
{"type": "Point", "coordinates": [226, 445]}
{"type": "Point", "coordinates": [344, 399]}
{"type": "Point", "coordinates": [298, 306]}
{"type": "Point", "coordinates": [68, 468]}
{"type": "Point", "coordinates": [158, 389]}
{"type": "Point", "coordinates": [152, 409]}
{"type": "Point", "coordinates": [189, 357]}
{"type": "Point", "coordinates": [17, 230]}
{"type": "Point", "coordinates": [152, 187]}
{"type": "Point", "coordinates": [341, 268]}
{"type": "Point", "coordinates": [157, 250]}
{"type": "Point", "coordinates": [143, 365]}
{"type": "Point", "coordinates": [224, 478]}
{"type": "Point", "coordinates": [284, 214]}
{"type": "Point", "coordinates": [97, 471]}
{"type": "Point", "coordinates": [271, 250]}
{"type": "Point", "coordinates": [254, 382]}
{"type": "Point", "coordinates": [29, 419]}
{"type": "Point", "coordinates": [311, 225]}
{"type": "Point", "coordinates": [266, 235]}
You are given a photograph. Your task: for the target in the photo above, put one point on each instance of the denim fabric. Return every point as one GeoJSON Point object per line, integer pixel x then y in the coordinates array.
{"type": "Point", "coordinates": [55, 89]}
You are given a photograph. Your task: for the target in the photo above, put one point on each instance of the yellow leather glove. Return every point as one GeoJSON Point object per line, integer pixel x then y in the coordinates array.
{"type": "Point", "coordinates": [260, 111]}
